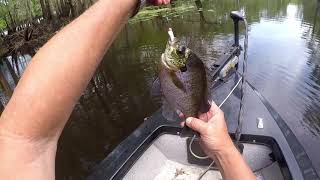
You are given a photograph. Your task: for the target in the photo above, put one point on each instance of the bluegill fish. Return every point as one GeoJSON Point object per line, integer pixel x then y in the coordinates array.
{"type": "Point", "coordinates": [182, 80]}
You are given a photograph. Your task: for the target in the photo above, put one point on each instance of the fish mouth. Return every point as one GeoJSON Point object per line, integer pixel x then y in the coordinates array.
{"type": "Point", "coordinates": [175, 56]}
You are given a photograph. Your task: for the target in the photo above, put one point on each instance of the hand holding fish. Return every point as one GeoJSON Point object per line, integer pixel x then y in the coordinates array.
{"type": "Point", "coordinates": [217, 144]}
{"type": "Point", "coordinates": [213, 131]}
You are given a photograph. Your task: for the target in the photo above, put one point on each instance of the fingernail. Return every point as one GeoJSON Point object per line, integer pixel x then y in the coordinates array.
{"type": "Point", "coordinates": [188, 120]}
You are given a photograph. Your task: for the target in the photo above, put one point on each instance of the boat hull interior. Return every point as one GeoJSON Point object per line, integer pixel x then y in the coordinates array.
{"type": "Point", "coordinates": [167, 158]}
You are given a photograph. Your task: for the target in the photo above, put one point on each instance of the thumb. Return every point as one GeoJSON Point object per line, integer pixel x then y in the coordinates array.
{"type": "Point", "coordinates": [196, 124]}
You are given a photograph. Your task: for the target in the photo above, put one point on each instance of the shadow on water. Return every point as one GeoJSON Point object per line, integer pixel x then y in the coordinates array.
{"type": "Point", "coordinates": [284, 65]}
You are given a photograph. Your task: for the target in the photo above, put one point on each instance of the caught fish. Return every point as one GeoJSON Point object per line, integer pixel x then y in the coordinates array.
{"type": "Point", "coordinates": [182, 81]}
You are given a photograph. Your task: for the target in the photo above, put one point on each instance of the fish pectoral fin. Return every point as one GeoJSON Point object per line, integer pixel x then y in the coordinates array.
{"type": "Point", "coordinates": [176, 81]}
{"type": "Point", "coordinates": [155, 92]}
{"type": "Point", "coordinates": [167, 112]}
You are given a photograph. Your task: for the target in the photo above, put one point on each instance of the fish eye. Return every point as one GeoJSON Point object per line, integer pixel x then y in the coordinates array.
{"type": "Point", "coordinates": [181, 50]}
{"type": "Point", "coordinates": [183, 69]}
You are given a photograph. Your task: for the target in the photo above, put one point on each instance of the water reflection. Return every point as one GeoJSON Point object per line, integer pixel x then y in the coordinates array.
{"type": "Point", "coordinates": [311, 116]}
{"type": "Point", "coordinates": [288, 46]}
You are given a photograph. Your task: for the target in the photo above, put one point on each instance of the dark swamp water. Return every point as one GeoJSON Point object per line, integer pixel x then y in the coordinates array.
{"type": "Point", "coordinates": [283, 64]}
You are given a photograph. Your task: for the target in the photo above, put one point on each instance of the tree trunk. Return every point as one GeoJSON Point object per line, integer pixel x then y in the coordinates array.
{"type": "Point", "coordinates": [13, 23]}
{"type": "Point", "coordinates": [45, 11]}
{"type": "Point", "coordinates": [7, 24]}
{"type": "Point", "coordinates": [13, 74]}
{"type": "Point", "coordinates": [65, 8]}
{"type": "Point", "coordinates": [15, 14]}
{"type": "Point", "coordinates": [16, 62]}
{"type": "Point", "coordinates": [59, 7]}
{"type": "Point", "coordinates": [1, 108]}
{"type": "Point", "coordinates": [53, 10]}
{"type": "Point", "coordinates": [5, 85]}
{"type": "Point", "coordinates": [76, 7]}
{"type": "Point", "coordinates": [29, 10]}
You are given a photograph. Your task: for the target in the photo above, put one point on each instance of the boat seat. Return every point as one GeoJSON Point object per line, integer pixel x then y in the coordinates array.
{"type": "Point", "coordinates": [166, 159]}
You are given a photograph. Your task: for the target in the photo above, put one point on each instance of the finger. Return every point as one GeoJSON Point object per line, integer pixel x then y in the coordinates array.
{"type": "Point", "coordinates": [166, 1]}
{"type": "Point", "coordinates": [197, 125]}
{"type": "Point", "coordinates": [181, 115]}
{"type": "Point", "coordinates": [182, 124]}
{"type": "Point", "coordinates": [214, 106]}
{"type": "Point", "coordinates": [159, 2]}
{"type": "Point", "coordinates": [204, 116]}
{"type": "Point", "coordinates": [205, 149]}
{"type": "Point", "coordinates": [214, 109]}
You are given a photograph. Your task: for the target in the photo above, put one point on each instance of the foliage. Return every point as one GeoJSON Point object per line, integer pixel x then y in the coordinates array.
{"type": "Point", "coordinates": [2, 24]}
{"type": "Point", "coordinates": [14, 12]}
{"type": "Point", "coordinates": [36, 7]}
{"type": "Point", "coordinates": [149, 13]}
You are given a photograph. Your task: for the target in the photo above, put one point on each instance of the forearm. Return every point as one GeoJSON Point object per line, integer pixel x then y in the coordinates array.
{"type": "Point", "coordinates": [60, 71]}
{"type": "Point", "coordinates": [232, 165]}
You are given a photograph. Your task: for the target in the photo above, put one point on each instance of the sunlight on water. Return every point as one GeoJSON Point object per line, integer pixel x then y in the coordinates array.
{"type": "Point", "coordinates": [292, 11]}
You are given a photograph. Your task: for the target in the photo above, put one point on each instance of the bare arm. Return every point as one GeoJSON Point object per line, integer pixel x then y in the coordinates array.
{"type": "Point", "coordinates": [217, 144]}
{"type": "Point", "coordinates": [60, 71]}
{"type": "Point", "coordinates": [51, 85]}
{"type": "Point", "coordinates": [232, 165]}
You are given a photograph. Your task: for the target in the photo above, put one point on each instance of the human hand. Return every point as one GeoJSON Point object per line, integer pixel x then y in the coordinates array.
{"type": "Point", "coordinates": [213, 131]}
{"type": "Point", "coordinates": [158, 2]}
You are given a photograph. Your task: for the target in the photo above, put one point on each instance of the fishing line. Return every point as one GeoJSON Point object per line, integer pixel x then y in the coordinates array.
{"type": "Point", "coordinates": [204, 172]}
{"type": "Point", "coordinates": [243, 87]}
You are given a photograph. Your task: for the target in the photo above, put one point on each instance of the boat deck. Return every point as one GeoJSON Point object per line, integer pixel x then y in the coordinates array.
{"type": "Point", "coordinates": [166, 159]}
